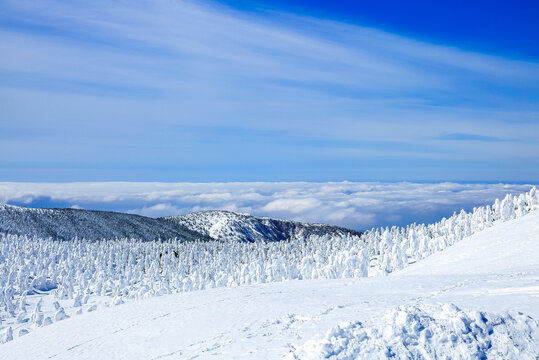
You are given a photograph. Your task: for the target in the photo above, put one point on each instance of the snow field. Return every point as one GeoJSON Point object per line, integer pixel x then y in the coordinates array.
{"type": "Point", "coordinates": [44, 281]}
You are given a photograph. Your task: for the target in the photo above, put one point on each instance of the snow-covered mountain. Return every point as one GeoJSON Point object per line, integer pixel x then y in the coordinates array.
{"type": "Point", "coordinates": [66, 224]}
{"type": "Point", "coordinates": [226, 225]}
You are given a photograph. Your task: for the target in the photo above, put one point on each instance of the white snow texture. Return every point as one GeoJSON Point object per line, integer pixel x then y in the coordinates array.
{"type": "Point", "coordinates": [436, 332]}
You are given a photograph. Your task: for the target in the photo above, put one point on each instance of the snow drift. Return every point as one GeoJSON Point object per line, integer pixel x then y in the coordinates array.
{"type": "Point", "coordinates": [429, 332]}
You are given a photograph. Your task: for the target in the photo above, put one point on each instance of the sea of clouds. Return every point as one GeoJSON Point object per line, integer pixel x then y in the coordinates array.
{"type": "Point", "coordinates": [359, 205]}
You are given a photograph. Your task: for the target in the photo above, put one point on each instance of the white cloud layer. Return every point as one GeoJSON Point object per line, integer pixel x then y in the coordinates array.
{"type": "Point", "coordinates": [359, 205]}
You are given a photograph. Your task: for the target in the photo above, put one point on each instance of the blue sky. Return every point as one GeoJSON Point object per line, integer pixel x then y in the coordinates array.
{"type": "Point", "coordinates": [268, 91]}
{"type": "Point", "coordinates": [497, 26]}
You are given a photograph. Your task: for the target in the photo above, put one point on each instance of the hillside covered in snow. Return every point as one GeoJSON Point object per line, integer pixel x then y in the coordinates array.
{"type": "Point", "coordinates": [227, 225]}
{"type": "Point", "coordinates": [67, 224]}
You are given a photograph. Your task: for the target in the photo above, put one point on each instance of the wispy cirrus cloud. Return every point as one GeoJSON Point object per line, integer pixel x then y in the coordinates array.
{"type": "Point", "coordinates": [352, 204]}
{"type": "Point", "coordinates": [469, 137]}
{"type": "Point", "coordinates": [164, 90]}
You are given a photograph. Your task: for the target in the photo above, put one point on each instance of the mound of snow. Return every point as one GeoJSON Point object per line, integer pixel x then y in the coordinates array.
{"type": "Point", "coordinates": [440, 331]}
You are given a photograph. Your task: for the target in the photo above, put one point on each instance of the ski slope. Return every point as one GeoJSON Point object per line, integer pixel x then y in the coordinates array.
{"type": "Point", "coordinates": [493, 273]}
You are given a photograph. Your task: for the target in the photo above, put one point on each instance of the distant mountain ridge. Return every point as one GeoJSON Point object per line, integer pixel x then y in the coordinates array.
{"type": "Point", "coordinates": [67, 223]}
{"type": "Point", "coordinates": [222, 225]}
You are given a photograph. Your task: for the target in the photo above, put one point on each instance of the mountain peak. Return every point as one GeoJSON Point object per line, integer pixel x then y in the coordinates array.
{"type": "Point", "coordinates": [227, 225]}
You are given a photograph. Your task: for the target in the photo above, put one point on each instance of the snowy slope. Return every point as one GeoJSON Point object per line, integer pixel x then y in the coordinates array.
{"type": "Point", "coordinates": [67, 224]}
{"type": "Point", "coordinates": [501, 248]}
{"type": "Point", "coordinates": [226, 225]}
{"type": "Point", "coordinates": [282, 319]}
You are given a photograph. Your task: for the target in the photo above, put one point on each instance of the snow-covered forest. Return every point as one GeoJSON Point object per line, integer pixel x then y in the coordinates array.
{"type": "Point", "coordinates": [45, 280]}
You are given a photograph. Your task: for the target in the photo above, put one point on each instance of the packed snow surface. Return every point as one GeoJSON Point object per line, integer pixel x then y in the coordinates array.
{"type": "Point", "coordinates": [413, 311]}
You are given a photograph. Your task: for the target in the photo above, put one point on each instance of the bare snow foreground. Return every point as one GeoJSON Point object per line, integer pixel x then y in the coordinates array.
{"type": "Point", "coordinates": [440, 331]}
